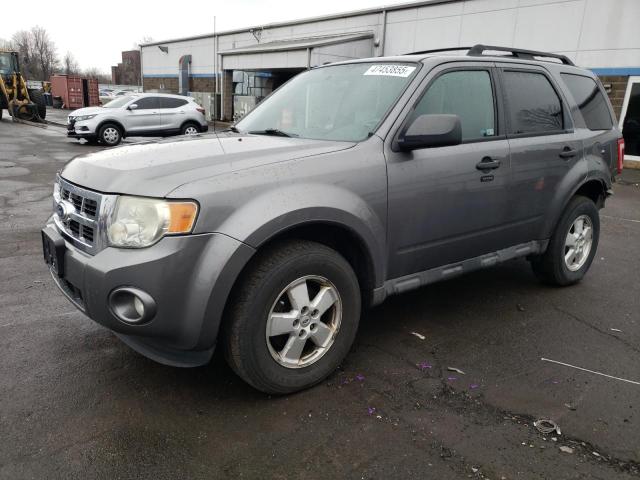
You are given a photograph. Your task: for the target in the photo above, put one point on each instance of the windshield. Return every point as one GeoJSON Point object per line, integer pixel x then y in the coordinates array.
{"type": "Point", "coordinates": [119, 102]}
{"type": "Point", "coordinates": [341, 102]}
{"type": "Point", "coordinates": [5, 63]}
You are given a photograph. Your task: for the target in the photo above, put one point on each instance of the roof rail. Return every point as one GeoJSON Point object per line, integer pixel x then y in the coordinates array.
{"type": "Point", "coordinates": [478, 51]}
{"type": "Point", "coordinates": [450, 49]}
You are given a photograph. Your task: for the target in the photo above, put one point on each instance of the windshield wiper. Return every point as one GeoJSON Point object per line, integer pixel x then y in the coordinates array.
{"type": "Point", "coordinates": [273, 131]}
{"type": "Point", "coordinates": [232, 128]}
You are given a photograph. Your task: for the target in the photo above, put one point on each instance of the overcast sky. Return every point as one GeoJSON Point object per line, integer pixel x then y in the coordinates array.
{"type": "Point", "coordinates": [96, 32]}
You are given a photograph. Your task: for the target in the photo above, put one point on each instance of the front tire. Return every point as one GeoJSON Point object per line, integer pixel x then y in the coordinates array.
{"type": "Point", "coordinates": [572, 246]}
{"type": "Point", "coordinates": [37, 97]}
{"type": "Point", "coordinates": [189, 129]}
{"type": "Point", "coordinates": [292, 318]}
{"type": "Point", "coordinates": [110, 135]}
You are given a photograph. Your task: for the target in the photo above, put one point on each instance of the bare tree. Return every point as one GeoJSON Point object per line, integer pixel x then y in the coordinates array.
{"type": "Point", "coordinates": [37, 52]}
{"type": "Point", "coordinates": [96, 73]}
{"type": "Point", "coordinates": [70, 65]}
{"type": "Point", "coordinates": [22, 43]}
{"type": "Point", "coordinates": [6, 44]}
{"type": "Point", "coordinates": [44, 51]}
{"type": "Point", "coordinates": [142, 41]}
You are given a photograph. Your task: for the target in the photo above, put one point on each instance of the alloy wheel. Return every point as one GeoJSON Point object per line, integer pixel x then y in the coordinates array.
{"type": "Point", "coordinates": [303, 322]}
{"type": "Point", "coordinates": [110, 135]}
{"type": "Point", "coordinates": [578, 242]}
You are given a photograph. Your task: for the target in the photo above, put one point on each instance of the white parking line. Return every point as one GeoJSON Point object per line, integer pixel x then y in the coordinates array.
{"type": "Point", "coordinates": [621, 218]}
{"type": "Point", "coordinates": [591, 371]}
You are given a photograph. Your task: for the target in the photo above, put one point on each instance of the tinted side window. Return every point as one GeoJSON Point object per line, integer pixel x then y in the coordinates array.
{"type": "Point", "coordinates": [147, 103]}
{"type": "Point", "coordinates": [172, 102]}
{"type": "Point", "coordinates": [467, 94]}
{"type": "Point", "coordinates": [532, 103]}
{"type": "Point", "coordinates": [590, 101]}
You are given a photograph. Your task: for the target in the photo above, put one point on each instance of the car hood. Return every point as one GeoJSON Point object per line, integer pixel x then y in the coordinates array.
{"type": "Point", "coordinates": [154, 169]}
{"type": "Point", "coordinates": [86, 111]}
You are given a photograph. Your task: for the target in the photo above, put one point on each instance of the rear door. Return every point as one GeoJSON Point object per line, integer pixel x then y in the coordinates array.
{"type": "Point", "coordinates": [593, 118]}
{"type": "Point", "coordinates": [443, 207]}
{"type": "Point", "coordinates": [543, 147]}
{"type": "Point", "coordinates": [146, 118]}
{"type": "Point", "coordinates": [173, 112]}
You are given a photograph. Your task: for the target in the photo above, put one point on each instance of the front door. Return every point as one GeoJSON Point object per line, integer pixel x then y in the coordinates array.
{"type": "Point", "coordinates": [443, 205]}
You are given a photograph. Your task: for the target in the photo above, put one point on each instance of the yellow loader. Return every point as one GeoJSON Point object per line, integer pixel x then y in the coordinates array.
{"type": "Point", "coordinates": [21, 102]}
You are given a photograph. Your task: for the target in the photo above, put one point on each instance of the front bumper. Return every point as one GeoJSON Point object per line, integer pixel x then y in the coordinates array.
{"type": "Point", "coordinates": [85, 129]}
{"type": "Point", "coordinates": [189, 277]}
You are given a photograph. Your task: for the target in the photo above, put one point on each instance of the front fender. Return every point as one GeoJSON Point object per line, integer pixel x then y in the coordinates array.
{"type": "Point", "coordinates": [281, 209]}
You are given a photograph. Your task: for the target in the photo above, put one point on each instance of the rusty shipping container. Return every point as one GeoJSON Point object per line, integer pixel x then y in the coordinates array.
{"type": "Point", "coordinates": [75, 91]}
{"type": "Point", "coordinates": [93, 93]}
{"type": "Point", "coordinates": [69, 88]}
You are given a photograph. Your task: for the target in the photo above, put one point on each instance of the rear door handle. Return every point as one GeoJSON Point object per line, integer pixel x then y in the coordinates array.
{"type": "Point", "coordinates": [488, 163]}
{"type": "Point", "coordinates": [568, 152]}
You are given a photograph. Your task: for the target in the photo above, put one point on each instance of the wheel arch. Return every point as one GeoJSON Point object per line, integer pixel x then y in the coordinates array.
{"type": "Point", "coordinates": [337, 236]}
{"type": "Point", "coordinates": [118, 124]}
{"type": "Point", "coordinates": [190, 121]}
{"type": "Point", "coordinates": [594, 188]}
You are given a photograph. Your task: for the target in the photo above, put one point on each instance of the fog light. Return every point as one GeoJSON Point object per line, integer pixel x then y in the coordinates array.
{"type": "Point", "coordinates": [132, 305]}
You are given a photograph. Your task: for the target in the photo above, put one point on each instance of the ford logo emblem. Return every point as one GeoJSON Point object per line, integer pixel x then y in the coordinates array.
{"type": "Point", "coordinates": [64, 209]}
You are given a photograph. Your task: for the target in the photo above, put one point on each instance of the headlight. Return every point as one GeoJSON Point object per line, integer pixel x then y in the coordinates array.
{"type": "Point", "coordinates": [82, 118]}
{"type": "Point", "coordinates": [140, 222]}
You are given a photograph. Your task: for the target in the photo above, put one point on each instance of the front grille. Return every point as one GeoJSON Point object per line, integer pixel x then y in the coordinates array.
{"type": "Point", "coordinates": [82, 204]}
{"type": "Point", "coordinates": [77, 215]}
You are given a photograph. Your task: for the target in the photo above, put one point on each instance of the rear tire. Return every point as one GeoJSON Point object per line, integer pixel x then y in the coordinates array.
{"type": "Point", "coordinates": [572, 246]}
{"type": "Point", "coordinates": [37, 97]}
{"type": "Point", "coordinates": [110, 135]}
{"type": "Point", "coordinates": [266, 324]}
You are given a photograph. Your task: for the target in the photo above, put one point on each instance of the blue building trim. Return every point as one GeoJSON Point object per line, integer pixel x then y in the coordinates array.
{"type": "Point", "coordinates": [619, 71]}
{"type": "Point", "coordinates": [174, 75]}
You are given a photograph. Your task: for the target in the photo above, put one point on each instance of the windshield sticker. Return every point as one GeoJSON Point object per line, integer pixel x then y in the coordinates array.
{"type": "Point", "coordinates": [390, 70]}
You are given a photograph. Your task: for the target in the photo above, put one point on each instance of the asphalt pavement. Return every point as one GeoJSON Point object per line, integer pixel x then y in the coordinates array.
{"type": "Point", "coordinates": [77, 403]}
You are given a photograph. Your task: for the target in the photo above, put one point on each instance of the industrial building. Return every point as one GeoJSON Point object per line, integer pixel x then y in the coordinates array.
{"type": "Point", "coordinates": [249, 63]}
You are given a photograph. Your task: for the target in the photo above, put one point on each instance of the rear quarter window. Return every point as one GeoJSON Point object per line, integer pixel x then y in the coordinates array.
{"type": "Point", "coordinates": [590, 100]}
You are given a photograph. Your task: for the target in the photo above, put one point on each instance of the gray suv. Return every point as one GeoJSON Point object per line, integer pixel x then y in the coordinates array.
{"type": "Point", "coordinates": [352, 182]}
{"type": "Point", "coordinates": [137, 115]}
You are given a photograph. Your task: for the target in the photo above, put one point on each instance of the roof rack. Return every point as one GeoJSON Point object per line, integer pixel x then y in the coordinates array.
{"type": "Point", "coordinates": [478, 51]}
{"type": "Point", "coordinates": [450, 49]}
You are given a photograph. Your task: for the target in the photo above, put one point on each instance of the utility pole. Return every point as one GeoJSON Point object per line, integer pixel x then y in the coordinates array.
{"type": "Point", "coordinates": [215, 74]}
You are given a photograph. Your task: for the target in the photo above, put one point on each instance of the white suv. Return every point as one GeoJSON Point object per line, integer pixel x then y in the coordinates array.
{"type": "Point", "coordinates": [137, 114]}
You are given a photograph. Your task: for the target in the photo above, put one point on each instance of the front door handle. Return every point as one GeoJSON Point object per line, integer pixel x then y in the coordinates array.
{"type": "Point", "coordinates": [488, 163]}
{"type": "Point", "coordinates": [568, 152]}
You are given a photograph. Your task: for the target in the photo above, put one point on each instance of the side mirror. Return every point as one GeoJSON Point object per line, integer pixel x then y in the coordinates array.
{"type": "Point", "coordinates": [133, 106]}
{"type": "Point", "coordinates": [431, 131]}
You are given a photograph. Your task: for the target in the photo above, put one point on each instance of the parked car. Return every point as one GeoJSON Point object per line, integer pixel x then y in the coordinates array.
{"type": "Point", "coordinates": [135, 115]}
{"type": "Point", "coordinates": [352, 182]}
